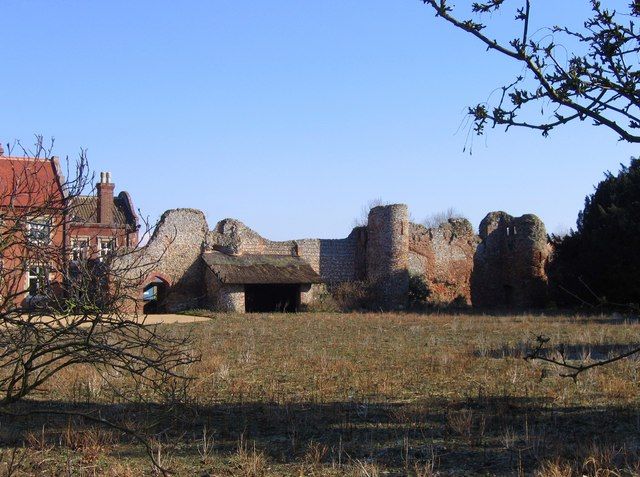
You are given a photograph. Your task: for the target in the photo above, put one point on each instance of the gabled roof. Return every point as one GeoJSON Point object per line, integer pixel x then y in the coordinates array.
{"type": "Point", "coordinates": [28, 182]}
{"type": "Point", "coordinates": [260, 269]}
{"type": "Point", "coordinates": [84, 210]}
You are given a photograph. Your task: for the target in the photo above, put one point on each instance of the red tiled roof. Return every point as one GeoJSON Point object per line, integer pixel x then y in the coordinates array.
{"type": "Point", "coordinates": [27, 182]}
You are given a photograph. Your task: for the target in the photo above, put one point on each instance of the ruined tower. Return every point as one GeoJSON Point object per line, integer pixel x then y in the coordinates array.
{"type": "Point", "coordinates": [387, 256]}
{"type": "Point", "coordinates": [510, 262]}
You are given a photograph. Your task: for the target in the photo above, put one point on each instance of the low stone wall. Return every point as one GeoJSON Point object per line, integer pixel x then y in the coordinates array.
{"type": "Point", "coordinates": [221, 297]}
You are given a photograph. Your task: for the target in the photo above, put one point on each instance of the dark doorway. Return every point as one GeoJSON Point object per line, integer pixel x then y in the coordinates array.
{"type": "Point", "coordinates": [269, 298]}
{"type": "Point", "coordinates": [154, 294]}
{"type": "Point", "coordinates": [508, 295]}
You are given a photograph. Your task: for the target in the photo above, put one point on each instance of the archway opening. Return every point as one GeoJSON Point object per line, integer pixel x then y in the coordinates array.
{"type": "Point", "coordinates": [154, 295]}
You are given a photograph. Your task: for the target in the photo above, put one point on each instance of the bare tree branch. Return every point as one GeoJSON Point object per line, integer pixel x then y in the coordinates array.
{"type": "Point", "coordinates": [540, 354]}
{"type": "Point", "coordinates": [74, 310]}
{"type": "Point", "coordinates": [597, 81]}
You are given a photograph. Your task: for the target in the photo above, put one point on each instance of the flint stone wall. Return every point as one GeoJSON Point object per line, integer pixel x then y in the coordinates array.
{"type": "Point", "coordinates": [221, 297]}
{"type": "Point", "coordinates": [387, 256]}
{"type": "Point", "coordinates": [335, 260]}
{"type": "Point", "coordinates": [510, 262]}
{"type": "Point", "coordinates": [173, 254]}
{"type": "Point", "coordinates": [505, 265]}
{"type": "Point", "coordinates": [444, 257]}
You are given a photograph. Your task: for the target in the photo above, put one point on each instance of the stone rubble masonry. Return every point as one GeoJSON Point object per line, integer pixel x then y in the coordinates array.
{"type": "Point", "coordinates": [335, 260]}
{"type": "Point", "coordinates": [172, 255]}
{"type": "Point", "coordinates": [505, 265]}
{"type": "Point", "coordinates": [510, 263]}
{"type": "Point", "coordinates": [229, 298]}
{"type": "Point", "coordinates": [388, 254]}
{"type": "Point", "coordinates": [443, 256]}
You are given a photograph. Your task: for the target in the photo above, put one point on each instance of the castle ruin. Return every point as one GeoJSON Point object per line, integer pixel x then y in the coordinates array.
{"type": "Point", "coordinates": [232, 268]}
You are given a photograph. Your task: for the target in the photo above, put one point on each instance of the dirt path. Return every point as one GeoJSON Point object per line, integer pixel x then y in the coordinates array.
{"type": "Point", "coordinates": [168, 319]}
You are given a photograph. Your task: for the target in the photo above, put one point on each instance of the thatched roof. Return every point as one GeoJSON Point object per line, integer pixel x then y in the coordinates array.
{"type": "Point", "coordinates": [260, 269]}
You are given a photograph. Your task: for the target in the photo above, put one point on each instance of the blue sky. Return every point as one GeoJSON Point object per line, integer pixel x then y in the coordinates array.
{"type": "Point", "coordinates": [288, 115]}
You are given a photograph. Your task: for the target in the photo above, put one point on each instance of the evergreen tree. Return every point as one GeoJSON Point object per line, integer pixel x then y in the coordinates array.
{"type": "Point", "coordinates": [600, 261]}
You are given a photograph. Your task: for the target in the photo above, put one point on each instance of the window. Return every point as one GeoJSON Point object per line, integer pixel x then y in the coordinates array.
{"type": "Point", "coordinates": [79, 249]}
{"type": "Point", "coordinates": [107, 246]}
{"type": "Point", "coordinates": [38, 278]}
{"type": "Point", "coordinates": [39, 231]}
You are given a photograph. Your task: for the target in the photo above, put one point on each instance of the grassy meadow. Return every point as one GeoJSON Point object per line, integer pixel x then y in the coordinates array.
{"type": "Point", "coordinates": [352, 394]}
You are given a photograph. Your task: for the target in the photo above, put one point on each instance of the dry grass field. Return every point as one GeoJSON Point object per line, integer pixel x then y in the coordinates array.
{"type": "Point", "coordinates": [354, 394]}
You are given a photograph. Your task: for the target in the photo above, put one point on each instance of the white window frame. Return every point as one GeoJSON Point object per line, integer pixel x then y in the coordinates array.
{"type": "Point", "coordinates": [43, 275]}
{"type": "Point", "coordinates": [38, 221]}
{"type": "Point", "coordinates": [104, 252]}
{"type": "Point", "coordinates": [84, 251]}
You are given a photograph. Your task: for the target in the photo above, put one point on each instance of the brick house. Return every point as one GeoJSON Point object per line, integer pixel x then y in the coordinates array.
{"type": "Point", "coordinates": [32, 226]}
{"type": "Point", "coordinates": [101, 223]}
{"type": "Point", "coordinates": [42, 231]}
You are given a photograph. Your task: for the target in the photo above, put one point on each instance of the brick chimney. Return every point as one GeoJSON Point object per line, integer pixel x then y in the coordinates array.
{"type": "Point", "coordinates": [105, 199]}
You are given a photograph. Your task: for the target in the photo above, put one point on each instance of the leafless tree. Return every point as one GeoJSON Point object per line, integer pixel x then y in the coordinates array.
{"type": "Point", "coordinates": [439, 218]}
{"type": "Point", "coordinates": [589, 74]}
{"type": "Point", "coordinates": [363, 219]}
{"type": "Point", "coordinates": [72, 312]}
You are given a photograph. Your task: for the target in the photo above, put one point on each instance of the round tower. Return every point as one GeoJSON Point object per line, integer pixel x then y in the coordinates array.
{"type": "Point", "coordinates": [388, 254]}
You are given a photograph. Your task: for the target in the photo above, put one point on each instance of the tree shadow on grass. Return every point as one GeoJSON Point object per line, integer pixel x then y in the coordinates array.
{"type": "Point", "coordinates": [487, 435]}
{"type": "Point", "coordinates": [571, 352]}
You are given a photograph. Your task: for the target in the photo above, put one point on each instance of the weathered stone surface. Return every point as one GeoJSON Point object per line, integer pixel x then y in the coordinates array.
{"type": "Point", "coordinates": [505, 265]}
{"type": "Point", "coordinates": [335, 260]}
{"type": "Point", "coordinates": [233, 237]}
{"type": "Point", "coordinates": [221, 297]}
{"type": "Point", "coordinates": [388, 254]}
{"type": "Point", "coordinates": [510, 262]}
{"type": "Point", "coordinates": [444, 257]}
{"type": "Point", "coordinates": [173, 255]}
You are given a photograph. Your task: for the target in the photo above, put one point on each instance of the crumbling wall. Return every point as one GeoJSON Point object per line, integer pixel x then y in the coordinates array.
{"type": "Point", "coordinates": [387, 256]}
{"type": "Point", "coordinates": [504, 266]}
{"type": "Point", "coordinates": [173, 253]}
{"type": "Point", "coordinates": [335, 260]}
{"type": "Point", "coordinates": [510, 262]}
{"type": "Point", "coordinates": [443, 256]}
{"type": "Point", "coordinates": [233, 237]}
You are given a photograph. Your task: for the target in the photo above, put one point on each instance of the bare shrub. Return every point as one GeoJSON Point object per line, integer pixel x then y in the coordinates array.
{"type": "Point", "coordinates": [440, 218]}
{"type": "Point", "coordinates": [323, 302]}
{"type": "Point", "coordinates": [419, 292]}
{"type": "Point", "coordinates": [363, 219]}
{"type": "Point", "coordinates": [351, 296]}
